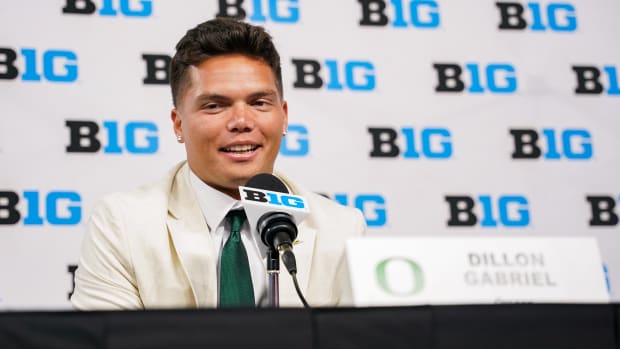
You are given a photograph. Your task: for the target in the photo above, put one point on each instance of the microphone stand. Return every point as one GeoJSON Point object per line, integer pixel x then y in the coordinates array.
{"type": "Point", "coordinates": [273, 278]}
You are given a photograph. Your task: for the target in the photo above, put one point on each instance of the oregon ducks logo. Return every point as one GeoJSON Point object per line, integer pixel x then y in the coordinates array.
{"type": "Point", "coordinates": [385, 284]}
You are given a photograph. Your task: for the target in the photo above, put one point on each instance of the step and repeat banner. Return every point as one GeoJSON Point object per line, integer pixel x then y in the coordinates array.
{"type": "Point", "coordinates": [435, 118]}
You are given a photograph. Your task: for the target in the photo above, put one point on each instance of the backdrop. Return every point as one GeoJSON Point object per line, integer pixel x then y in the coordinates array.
{"type": "Point", "coordinates": [433, 117]}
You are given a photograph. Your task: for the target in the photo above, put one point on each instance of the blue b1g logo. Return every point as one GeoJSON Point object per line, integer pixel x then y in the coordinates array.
{"type": "Point", "coordinates": [141, 137]}
{"type": "Point", "coordinates": [341, 75]}
{"type": "Point", "coordinates": [559, 17]}
{"type": "Point", "coordinates": [278, 11]}
{"type": "Point", "coordinates": [49, 65]}
{"type": "Point", "coordinates": [111, 8]}
{"type": "Point", "coordinates": [273, 198]}
{"type": "Point", "coordinates": [59, 207]}
{"type": "Point", "coordinates": [416, 13]}
{"type": "Point", "coordinates": [492, 78]}
{"type": "Point", "coordinates": [296, 142]}
{"type": "Point", "coordinates": [505, 210]}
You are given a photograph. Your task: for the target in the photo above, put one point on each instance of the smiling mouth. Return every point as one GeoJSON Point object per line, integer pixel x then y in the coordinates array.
{"type": "Point", "coordinates": [240, 149]}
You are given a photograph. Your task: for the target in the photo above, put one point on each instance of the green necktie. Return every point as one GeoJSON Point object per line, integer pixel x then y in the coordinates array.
{"type": "Point", "coordinates": [236, 288]}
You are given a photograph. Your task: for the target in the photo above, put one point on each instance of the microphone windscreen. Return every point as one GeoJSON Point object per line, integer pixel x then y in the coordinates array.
{"type": "Point", "coordinates": [266, 181]}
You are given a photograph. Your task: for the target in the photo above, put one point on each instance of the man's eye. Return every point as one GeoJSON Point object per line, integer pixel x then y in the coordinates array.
{"type": "Point", "coordinates": [211, 106]}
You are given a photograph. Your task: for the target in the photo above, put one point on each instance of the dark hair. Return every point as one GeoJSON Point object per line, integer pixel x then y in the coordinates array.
{"type": "Point", "coordinates": [221, 36]}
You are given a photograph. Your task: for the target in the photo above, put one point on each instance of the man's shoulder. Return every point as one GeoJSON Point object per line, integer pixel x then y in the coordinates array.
{"type": "Point", "coordinates": [151, 195]}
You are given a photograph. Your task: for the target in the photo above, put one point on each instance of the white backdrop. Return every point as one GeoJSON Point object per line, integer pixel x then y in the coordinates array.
{"type": "Point", "coordinates": [88, 67]}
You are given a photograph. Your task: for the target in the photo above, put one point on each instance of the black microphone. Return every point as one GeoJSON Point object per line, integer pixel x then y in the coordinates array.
{"type": "Point", "coordinates": [277, 229]}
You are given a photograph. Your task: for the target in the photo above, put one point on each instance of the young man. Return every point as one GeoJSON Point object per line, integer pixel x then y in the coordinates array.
{"type": "Point", "coordinates": [166, 245]}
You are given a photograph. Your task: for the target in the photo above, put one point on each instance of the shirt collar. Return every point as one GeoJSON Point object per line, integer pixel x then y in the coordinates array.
{"type": "Point", "coordinates": [214, 204]}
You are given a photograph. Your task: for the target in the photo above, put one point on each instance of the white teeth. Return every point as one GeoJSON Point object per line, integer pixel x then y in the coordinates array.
{"type": "Point", "coordinates": [241, 148]}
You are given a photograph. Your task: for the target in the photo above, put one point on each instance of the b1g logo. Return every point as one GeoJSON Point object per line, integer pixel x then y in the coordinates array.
{"type": "Point", "coordinates": [278, 11]}
{"type": "Point", "coordinates": [602, 208]}
{"type": "Point", "coordinates": [373, 206]}
{"type": "Point", "coordinates": [140, 137]}
{"type": "Point", "coordinates": [49, 65]}
{"type": "Point", "coordinates": [590, 80]}
{"type": "Point", "coordinates": [416, 13]}
{"type": "Point", "coordinates": [512, 211]}
{"type": "Point", "coordinates": [492, 78]}
{"type": "Point", "coordinates": [296, 142]}
{"type": "Point", "coordinates": [341, 75]}
{"type": "Point", "coordinates": [430, 143]}
{"type": "Point", "coordinates": [60, 208]}
{"type": "Point", "coordinates": [111, 8]}
{"type": "Point", "coordinates": [273, 198]}
{"type": "Point", "coordinates": [559, 17]}
{"type": "Point", "coordinates": [570, 144]}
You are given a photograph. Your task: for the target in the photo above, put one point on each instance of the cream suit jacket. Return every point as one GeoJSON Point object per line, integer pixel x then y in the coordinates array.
{"type": "Point", "coordinates": [151, 248]}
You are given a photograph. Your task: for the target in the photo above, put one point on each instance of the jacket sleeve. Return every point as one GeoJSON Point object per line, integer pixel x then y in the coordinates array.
{"type": "Point", "coordinates": [104, 279]}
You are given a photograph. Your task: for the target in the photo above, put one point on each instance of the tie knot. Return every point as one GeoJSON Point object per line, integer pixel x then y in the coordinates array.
{"type": "Point", "coordinates": [236, 218]}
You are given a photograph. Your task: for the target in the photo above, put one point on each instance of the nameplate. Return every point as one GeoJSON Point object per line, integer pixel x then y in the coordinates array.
{"type": "Point", "coordinates": [413, 271]}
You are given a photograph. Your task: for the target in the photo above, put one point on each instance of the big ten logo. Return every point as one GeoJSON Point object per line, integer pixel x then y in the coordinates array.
{"type": "Point", "coordinates": [429, 143]}
{"type": "Point", "coordinates": [603, 210]}
{"type": "Point", "coordinates": [479, 78]}
{"type": "Point", "coordinates": [59, 207]}
{"type": "Point", "coordinates": [570, 144]}
{"type": "Point", "coordinates": [110, 8]}
{"type": "Point", "coordinates": [504, 210]}
{"type": "Point", "coordinates": [273, 198]}
{"type": "Point", "coordinates": [559, 17]}
{"type": "Point", "coordinates": [37, 65]}
{"type": "Point", "coordinates": [296, 142]}
{"type": "Point", "coordinates": [416, 13]}
{"type": "Point", "coordinates": [277, 11]}
{"type": "Point", "coordinates": [358, 75]}
{"type": "Point", "coordinates": [589, 80]}
{"type": "Point", "coordinates": [373, 206]}
{"type": "Point", "coordinates": [399, 276]}
{"type": "Point", "coordinates": [140, 137]}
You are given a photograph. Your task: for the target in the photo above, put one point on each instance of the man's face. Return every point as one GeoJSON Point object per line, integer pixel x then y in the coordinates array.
{"type": "Point", "coordinates": [231, 119]}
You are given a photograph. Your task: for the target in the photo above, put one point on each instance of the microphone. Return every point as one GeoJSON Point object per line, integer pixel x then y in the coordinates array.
{"type": "Point", "coordinates": [274, 214]}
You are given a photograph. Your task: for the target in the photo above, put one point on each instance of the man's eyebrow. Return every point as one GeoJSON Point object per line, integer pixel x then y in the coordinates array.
{"type": "Point", "coordinates": [263, 93]}
{"type": "Point", "coordinates": [211, 96]}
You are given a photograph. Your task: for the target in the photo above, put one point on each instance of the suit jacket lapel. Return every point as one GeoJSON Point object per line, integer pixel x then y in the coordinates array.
{"type": "Point", "coordinates": [192, 240]}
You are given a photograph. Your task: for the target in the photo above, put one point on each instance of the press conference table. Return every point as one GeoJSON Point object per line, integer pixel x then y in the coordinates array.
{"type": "Point", "coordinates": [532, 326]}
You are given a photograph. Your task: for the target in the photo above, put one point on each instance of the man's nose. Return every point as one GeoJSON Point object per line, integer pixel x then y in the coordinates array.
{"type": "Point", "coordinates": [241, 119]}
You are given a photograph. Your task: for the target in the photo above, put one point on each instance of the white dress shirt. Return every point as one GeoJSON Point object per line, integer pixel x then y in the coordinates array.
{"type": "Point", "coordinates": [215, 205]}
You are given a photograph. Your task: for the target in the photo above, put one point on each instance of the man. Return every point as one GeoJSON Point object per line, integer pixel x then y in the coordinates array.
{"type": "Point", "coordinates": [166, 245]}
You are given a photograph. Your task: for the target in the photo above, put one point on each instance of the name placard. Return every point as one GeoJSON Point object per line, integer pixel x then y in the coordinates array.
{"type": "Point", "coordinates": [475, 270]}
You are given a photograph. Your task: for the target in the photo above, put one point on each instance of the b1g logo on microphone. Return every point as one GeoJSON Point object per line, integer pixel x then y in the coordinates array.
{"type": "Point", "coordinates": [140, 137]}
{"type": "Point", "coordinates": [38, 65]}
{"type": "Point", "coordinates": [58, 207]}
{"type": "Point", "coordinates": [272, 198]}
{"type": "Point", "coordinates": [423, 14]}
{"type": "Point", "coordinates": [570, 144]}
{"type": "Point", "coordinates": [354, 75]}
{"type": "Point", "coordinates": [558, 17]}
{"type": "Point", "coordinates": [603, 210]}
{"type": "Point", "coordinates": [296, 143]}
{"type": "Point", "coordinates": [429, 143]}
{"type": "Point", "coordinates": [593, 80]}
{"type": "Point", "coordinates": [497, 78]}
{"type": "Point", "coordinates": [373, 206]}
{"type": "Point", "coordinates": [505, 210]}
{"type": "Point", "coordinates": [110, 8]}
{"type": "Point", "coordinates": [277, 11]}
